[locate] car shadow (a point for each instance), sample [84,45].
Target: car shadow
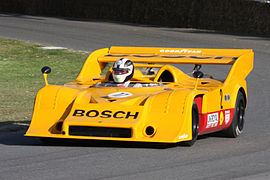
[220,134]
[18,139]
[13,126]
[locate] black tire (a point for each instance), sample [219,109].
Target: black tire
[195,125]
[237,125]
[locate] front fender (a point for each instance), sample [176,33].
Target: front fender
[171,115]
[51,104]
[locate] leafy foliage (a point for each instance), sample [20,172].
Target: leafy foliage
[234,16]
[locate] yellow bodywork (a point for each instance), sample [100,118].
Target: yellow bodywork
[166,108]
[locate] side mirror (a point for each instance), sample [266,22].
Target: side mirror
[198,74]
[45,71]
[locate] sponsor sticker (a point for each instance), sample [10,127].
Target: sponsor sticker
[212,120]
[227,116]
[227,97]
[120,95]
[221,118]
[105,114]
[183,136]
[180,51]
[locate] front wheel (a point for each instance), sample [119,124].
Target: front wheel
[195,125]
[237,125]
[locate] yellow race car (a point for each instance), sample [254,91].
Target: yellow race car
[160,104]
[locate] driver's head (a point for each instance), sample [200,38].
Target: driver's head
[123,70]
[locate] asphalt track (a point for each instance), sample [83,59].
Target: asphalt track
[212,157]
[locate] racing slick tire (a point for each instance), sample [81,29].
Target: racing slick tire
[195,125]
[237,125]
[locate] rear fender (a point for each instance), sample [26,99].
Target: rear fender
[231,92]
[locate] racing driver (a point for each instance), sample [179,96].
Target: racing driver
[123,70]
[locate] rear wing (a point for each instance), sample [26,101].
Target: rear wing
[240,59]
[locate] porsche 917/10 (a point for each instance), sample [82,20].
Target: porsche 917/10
[160,103]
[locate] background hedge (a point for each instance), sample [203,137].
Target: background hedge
[234,16]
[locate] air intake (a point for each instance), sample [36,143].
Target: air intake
[99,131]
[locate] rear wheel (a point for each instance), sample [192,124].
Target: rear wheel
[195,125]
[237,125]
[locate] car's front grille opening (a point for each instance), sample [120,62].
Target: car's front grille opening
[100,131]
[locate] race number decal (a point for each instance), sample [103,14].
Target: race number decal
[120,95]
[212,120]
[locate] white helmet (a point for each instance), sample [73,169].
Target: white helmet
[123,70]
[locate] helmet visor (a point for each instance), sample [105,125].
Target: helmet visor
[118,71]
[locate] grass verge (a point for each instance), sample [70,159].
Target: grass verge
[21,78]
